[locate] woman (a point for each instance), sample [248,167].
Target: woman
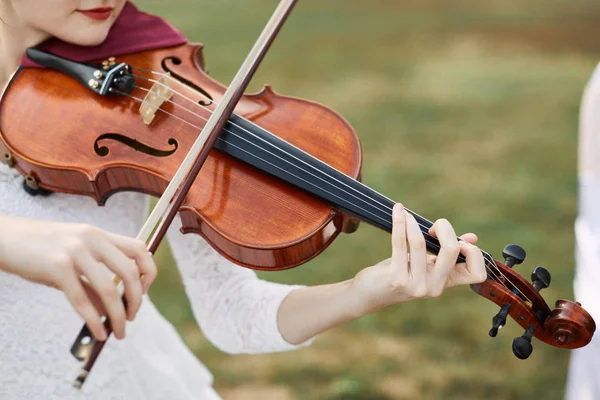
[66,242]
[584,373]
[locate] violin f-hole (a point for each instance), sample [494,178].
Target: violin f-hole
[103,151]
[186,82]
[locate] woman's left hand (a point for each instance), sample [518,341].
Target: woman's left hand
[410,273]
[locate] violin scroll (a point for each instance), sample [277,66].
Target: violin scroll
[570,325]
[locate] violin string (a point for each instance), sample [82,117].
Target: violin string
[487,256]
[250,133]
[279,157]
[241,149]
[386,207]
[274,155]
[489,260]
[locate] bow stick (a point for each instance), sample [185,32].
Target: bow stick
[85,347]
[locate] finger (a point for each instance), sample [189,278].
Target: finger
[475,264]
[449,248]
[127,270]
[470,237]
[106,290]
[399,249]
[94,299]
[76,294]
[136,249]
[418,251]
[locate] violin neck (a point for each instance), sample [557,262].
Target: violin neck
[256,146]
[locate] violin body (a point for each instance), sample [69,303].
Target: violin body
[96,146]
[64,137]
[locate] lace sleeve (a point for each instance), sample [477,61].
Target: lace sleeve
[235,309]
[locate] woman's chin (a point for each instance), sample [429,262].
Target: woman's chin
[81,33]
[89,40]
[92,42]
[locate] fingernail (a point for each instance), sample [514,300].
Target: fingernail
[103,336]
[398,208]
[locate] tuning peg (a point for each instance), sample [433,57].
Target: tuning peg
[521,346]
[499,319]
[513,254]
[540,278]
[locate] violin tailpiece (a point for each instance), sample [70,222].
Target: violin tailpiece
[116,77]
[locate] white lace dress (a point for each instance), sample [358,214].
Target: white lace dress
[235,310]
[584,372]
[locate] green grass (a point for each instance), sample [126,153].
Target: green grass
[466,110]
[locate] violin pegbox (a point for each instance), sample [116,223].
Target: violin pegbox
[117,79]
[158,94]
[568,326]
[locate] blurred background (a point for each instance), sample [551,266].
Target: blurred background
[466,110]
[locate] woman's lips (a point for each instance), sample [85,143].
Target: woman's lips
[99,14]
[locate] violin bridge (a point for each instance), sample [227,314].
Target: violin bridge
[158,94]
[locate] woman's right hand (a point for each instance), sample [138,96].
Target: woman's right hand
[72,258]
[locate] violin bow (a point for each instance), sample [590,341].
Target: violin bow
[86,348]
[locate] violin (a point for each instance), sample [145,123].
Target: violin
[280,183]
